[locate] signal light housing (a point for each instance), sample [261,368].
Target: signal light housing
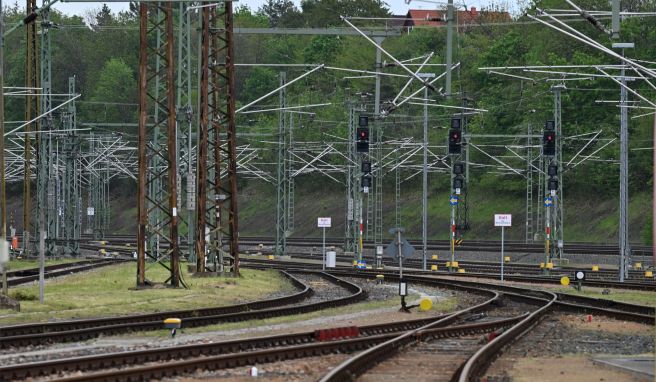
[458,183]
[366,181]
[455,139]
[366,167]
[552,170]
[552,184]
[549,143]
[458,168]
[362,139]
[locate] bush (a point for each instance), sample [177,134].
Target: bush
[23,295]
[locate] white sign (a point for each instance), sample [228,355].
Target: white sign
[323,222]
[502,220]
[90,211]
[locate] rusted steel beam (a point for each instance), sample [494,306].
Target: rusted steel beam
[201,176]
[142,216]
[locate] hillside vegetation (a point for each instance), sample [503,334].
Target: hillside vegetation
[101,51]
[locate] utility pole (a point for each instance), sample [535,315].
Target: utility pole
[185,121]
[281,189]
[449,45]
[424,198]
[31,110]
[70,189]
[528,238]
[623,229]
[3,192]
[424,194]
[45,172]
[157,140]
[558,210]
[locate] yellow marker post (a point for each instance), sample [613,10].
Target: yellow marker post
[173,324]
[595,268]
[434,257]
[541,265]
[564,281]
[461,270]
[270,257]
[425,304]
[649,274]
[433,267]
[454,264]
[638,265]
[506,259]
[550,265]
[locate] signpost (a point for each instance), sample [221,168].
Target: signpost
[324,223]
[400,248]
[502,220]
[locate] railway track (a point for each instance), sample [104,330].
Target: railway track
[473,365]
[24,276]
[163,354]
[78,330]
[487,267]
[392,337]
[285,264]
[513,272]
[469,245]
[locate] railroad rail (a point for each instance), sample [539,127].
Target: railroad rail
[555,280]
[77,330]
[179,360]
[469,245]
[130,358]
[24,276]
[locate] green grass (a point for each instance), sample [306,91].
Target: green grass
[27,264]
[110,291]
[620,295]
[446,305]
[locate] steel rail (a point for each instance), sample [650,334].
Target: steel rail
[84,329]
[169,369]
[128,358]
[484,357]
[647,286]
[60,270]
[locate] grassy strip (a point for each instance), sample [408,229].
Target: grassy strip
[109,291]
[620,295]
[15,265]
[445,305]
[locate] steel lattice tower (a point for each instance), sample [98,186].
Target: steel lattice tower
[157,183]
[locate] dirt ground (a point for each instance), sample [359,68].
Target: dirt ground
[568,368]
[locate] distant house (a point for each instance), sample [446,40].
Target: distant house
[426,18]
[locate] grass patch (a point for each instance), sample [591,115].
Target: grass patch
[15,265]
[446,305]
[620,295]
[109,291]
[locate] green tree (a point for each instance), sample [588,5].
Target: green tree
[322,49]
[117,91]
[324,13]
[281,13]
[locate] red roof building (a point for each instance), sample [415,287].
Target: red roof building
[426,18]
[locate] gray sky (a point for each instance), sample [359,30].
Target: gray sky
[398,7]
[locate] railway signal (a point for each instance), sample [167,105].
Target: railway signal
[362,135]
[455,140]
[549,139]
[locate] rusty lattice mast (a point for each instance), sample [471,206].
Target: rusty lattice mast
[217,167]
[157,231]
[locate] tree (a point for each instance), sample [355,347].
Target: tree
[116,89]
[322,49]
[281,13]
[324,13]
